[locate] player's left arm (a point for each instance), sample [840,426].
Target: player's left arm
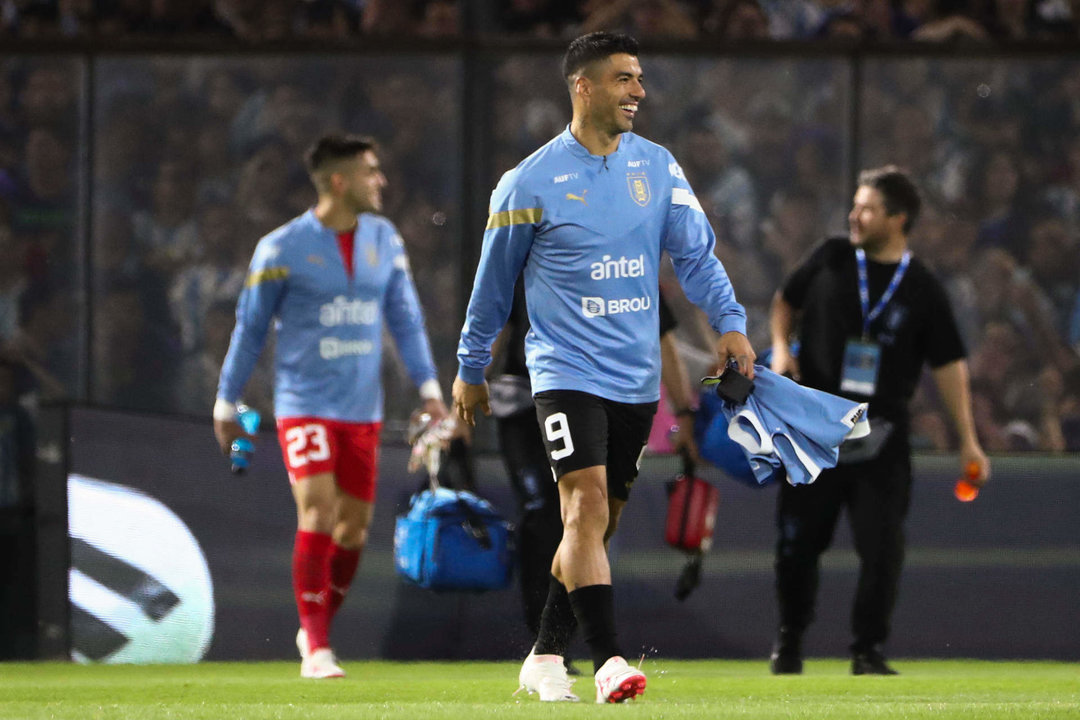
[689,240]
[405,321]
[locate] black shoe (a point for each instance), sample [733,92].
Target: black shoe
[786,659]
[870,662]
[571,669]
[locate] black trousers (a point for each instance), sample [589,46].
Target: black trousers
[540,527]
[876,494]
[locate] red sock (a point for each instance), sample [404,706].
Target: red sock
[311,576]
[343,564]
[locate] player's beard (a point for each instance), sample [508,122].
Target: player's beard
[363,202]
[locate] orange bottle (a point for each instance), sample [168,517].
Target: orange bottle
[966,490]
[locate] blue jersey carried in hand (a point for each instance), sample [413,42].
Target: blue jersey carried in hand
[329,325]
[782,430]
[588,232]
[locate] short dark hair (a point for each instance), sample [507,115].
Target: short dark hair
[332,147]
[596,46]
[898,191]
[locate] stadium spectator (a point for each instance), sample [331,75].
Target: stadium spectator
[792,19]
[330,20]
[262,186]
[725,186]
[1053,269]
[180,18]
[644,18]
[439,19]
[41,194]
[135,357]
[1060,420]
[945,245]
[329,279]
[736,20]
[1011,20]
[900,319]
[789,232]
[218,274]
[769,159]
[115,256]
[539,18]
[999,197]
[843,26]
[946,21]
[166,232]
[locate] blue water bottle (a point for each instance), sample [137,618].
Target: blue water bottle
[242,448]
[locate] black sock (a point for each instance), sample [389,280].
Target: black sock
[594,608]
[557,622]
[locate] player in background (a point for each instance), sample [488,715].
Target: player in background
[586,218]
[328,280]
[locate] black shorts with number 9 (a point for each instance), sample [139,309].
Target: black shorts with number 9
[582,430]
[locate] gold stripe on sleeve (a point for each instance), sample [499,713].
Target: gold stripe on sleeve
[271,273]
[514,217]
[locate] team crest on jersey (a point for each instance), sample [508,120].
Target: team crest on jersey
[372,256]
[639,188]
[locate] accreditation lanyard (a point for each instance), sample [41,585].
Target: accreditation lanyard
[868,314]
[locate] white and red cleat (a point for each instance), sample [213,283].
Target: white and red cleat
[546,675]
[321,664]
[617,682]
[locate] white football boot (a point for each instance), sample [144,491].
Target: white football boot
[321,664]
[616,681]
[546,675]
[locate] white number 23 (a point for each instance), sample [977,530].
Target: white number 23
[306,443]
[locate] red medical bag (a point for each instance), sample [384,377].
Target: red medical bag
[691,514]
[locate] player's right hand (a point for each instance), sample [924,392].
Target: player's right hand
[466,397]
[226,431]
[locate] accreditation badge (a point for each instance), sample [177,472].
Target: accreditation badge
[862,359]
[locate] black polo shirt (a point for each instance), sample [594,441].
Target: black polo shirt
[916,326]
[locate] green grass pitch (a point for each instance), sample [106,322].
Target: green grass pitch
[698,689]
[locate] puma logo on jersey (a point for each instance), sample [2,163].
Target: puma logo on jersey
[581,197]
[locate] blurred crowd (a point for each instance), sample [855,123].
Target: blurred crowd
[255,21]
[184,161]
[876,21]
[225,21]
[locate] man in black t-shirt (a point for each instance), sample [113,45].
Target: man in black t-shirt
[869,316]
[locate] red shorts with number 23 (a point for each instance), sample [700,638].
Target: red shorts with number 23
[350,450]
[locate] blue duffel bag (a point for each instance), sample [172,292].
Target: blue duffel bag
[453,540]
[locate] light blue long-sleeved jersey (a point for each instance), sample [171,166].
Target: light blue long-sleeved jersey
[329,326]
[588,232]
[782,430]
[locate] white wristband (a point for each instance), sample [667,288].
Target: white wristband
[430,390]
[224,410]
